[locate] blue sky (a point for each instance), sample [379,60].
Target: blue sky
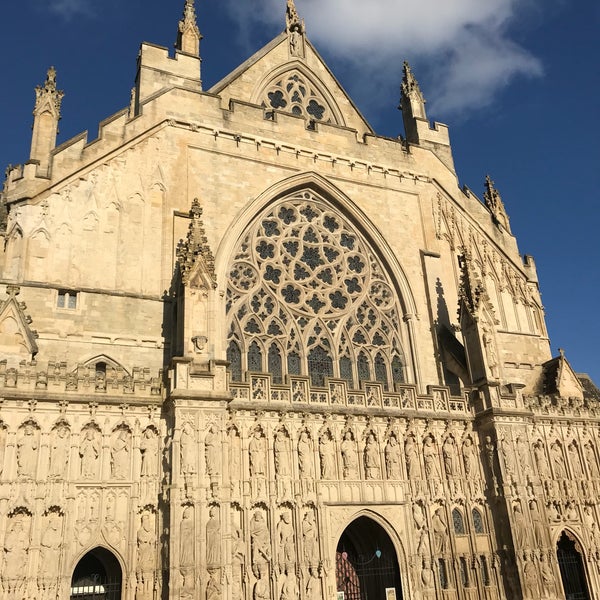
[517,81]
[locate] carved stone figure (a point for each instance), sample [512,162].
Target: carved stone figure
[286,554]
[235,464]
[313,587]
[508,457]
[257,454]
[50,546]
[547,576]
[590,459]
[327,456]
[393,458]
[59,453]
[262,589]
[89,451]
[523,454]
[16,549]
[149,452]
[213,538]
[450,456]
[187,538]
[281,455]
[530,580]
[310,541]
[372,459]
[439,532]
[187,450]
[27,448]
[306,464]
[289,587]
[575,461]
[520,528]
[212,453]
[430,458]
[260,544]
[146,556]
[119,455]
[213,587]
[413,469]
[540,460]
[349,456]
[2,446]
[558,461]
[238,552]
[537,525]
[469,458]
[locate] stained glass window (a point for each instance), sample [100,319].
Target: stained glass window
[346,369]
[363,367]
[320,366]
[293,362]
[234,356]
[478,521]
[458,522]
[381,370]
[254,358]
[275,363]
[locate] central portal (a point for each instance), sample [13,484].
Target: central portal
[366,563]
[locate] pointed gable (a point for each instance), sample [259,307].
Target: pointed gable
[16,337]
[288,75]
[561,379]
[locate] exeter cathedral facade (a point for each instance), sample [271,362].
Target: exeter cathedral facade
[251,350]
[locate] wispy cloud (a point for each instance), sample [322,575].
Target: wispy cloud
[463,46]
[68,9]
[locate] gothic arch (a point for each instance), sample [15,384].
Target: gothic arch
[572,561]
[100,557]
[310,187]
[318,90]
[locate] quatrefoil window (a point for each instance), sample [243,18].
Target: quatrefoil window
[294,94]
[306,286]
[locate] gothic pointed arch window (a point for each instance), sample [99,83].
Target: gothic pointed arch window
[234,356]
[308,295]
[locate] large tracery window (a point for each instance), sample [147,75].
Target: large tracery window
[307,292]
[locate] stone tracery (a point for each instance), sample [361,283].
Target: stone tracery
[307,294]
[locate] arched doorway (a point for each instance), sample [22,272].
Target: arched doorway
[572,572]
[366,563]
[97,576]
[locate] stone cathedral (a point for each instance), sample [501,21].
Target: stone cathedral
[251,350]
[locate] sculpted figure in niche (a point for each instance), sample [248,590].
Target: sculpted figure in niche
[430,458]
[146,556]
[469,458]
[213,538]
[313,587]
[16,548]
[558,461]
[213,587]
[306,464]
[575,461]
[439,531]
[590,459]
[257,453]
[260,545]
[237,565]
[149,452]
[286,555]
[289,588]
[89,451]
[413,469]
[327,455]
[450,456]
[349,456]
[212,452]
[372,460]
[262,589]
[281,455]
[2,446]
[537,525]
[186,540]
[310,542]
[523,453]
[59,452]
[187,450]
[531,580]
[393,458]
[547,576]
[119,455]
[27,448]
[520,527]
[540,460]
[50,546]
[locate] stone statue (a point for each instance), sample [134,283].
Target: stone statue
[508,457]
[27,448]
[313,587]
[15,553]
[575,461]
[289,588]
[469,458]
[413,469]
[520,528]
[59,453]
[306,464]
[238,552]
[310,541]
[286,553]
[450,457]
[213,586]
[257,454]
[235,465]
[262,589]
[50,546]
[530,580]
[2,446]
[547,576]
[349,456]
[89,451]
[149,452]
[430,458]
[558,461]
[187,538]
[327,456]
[372,459]
[590,459]
[119,455]
[393,458]
[213,538]
[540,460]
[212,453]
[439,532]
[187,450]
[537,525]
[523,454]
[146,557]
[283,467]
[260,544]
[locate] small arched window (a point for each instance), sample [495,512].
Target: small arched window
[320,366]
[458,522]
[364,373]
[478,521]
[397,371]
[254,358]
[346,369]
[381,370]
[275,363]
[234,356]
[293,363]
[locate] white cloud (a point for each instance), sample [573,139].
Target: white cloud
[70,8]
[462,46]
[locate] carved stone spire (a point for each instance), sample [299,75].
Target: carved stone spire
[411,97]
[194,253]
[494,202]
[294,27]
[188,35]
[46,115]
